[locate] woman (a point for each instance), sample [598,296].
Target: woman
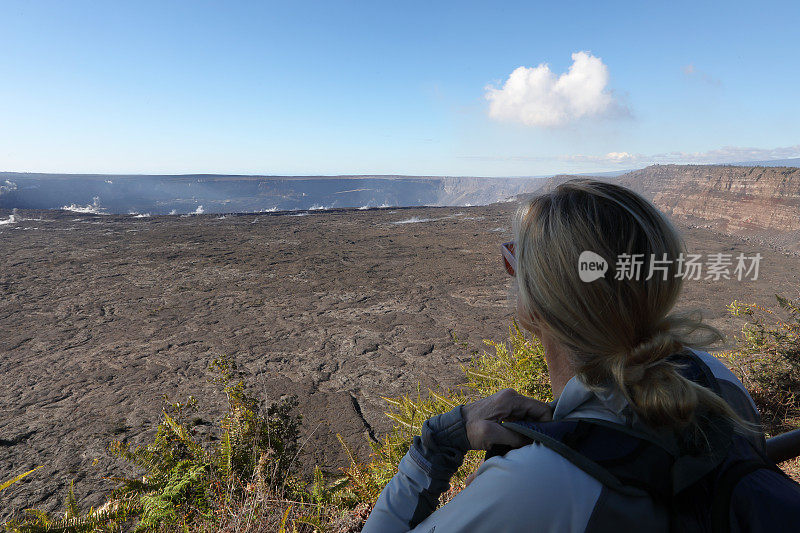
[609,346]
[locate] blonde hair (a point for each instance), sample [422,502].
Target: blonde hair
[619,331]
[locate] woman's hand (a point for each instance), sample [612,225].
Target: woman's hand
[482,418]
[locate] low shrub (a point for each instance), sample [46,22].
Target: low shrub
[190,485]
[767,360]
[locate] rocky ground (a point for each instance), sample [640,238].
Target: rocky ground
[101,316]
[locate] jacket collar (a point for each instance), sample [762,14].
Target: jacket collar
[578,401]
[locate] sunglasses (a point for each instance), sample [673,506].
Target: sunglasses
[509,261]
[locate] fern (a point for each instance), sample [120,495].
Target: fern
[186,485]
[103,520]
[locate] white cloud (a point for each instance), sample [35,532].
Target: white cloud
[619,157]
[538,97]
[726,154]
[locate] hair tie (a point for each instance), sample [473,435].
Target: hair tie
[634,374]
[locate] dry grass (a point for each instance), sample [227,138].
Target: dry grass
[792,468]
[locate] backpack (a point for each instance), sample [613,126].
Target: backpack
[735,487]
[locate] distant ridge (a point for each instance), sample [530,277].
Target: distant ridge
[759,202]
[792,162]
[213,193]
[754,202]
[61,175]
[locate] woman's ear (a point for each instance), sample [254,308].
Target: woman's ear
[529,321]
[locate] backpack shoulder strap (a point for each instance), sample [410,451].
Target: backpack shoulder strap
[721,503]
[745,459]
[620,458]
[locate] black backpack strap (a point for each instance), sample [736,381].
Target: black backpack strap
[721,504]
[620,458]
[750,459]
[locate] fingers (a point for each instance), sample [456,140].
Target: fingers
[530,409]
[516,405]
[481,418]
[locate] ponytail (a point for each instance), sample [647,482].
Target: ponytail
[618,332]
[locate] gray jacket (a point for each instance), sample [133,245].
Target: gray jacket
[529,489]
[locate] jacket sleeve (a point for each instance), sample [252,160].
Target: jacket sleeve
[529,489]
[423,475]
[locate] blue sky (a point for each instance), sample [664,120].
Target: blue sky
[394,87]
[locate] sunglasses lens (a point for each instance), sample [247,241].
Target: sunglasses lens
[509,261]
[508,266]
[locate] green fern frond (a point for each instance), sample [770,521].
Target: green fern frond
[226,454]
[179,430]
[71,504]
[39,521]
[139,456]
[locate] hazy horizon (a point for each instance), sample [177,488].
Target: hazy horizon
[790,162]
